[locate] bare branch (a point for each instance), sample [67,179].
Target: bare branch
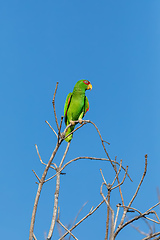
[130,221]
[58,221]
[34,237]
[88,121]
[54,165]
[38,154]
[108,212]
[119,184]
[153,206]
[78,215]
[89,214]
[59,131]
[73,130]
[106,142]
[66,229]
[112,212]
[125,210]
[120,191]
[36,175]
[67,148]
[152,235]
[51,177]
[138,230]
[53,102]
[41,158]
[141,215]
[117,173]
[56,195]
[61,123]
[93,158]
[108,202]
[40,185]
[52,128]
[115,222]
[103,178]
[144,173]
[146,213]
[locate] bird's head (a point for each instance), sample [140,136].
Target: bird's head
[83,85]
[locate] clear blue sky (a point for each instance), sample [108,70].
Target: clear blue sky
[116,46]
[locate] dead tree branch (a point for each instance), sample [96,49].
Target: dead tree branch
[117,167]
[56,195]
[52,128]
[125,210]
[40,185]
[58,221]
[85,217]
[54,108]
[152,235]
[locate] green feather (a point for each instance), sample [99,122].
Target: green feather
[76,105]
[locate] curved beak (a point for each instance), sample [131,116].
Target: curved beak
[89,87]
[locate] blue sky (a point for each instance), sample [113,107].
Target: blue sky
[116,46]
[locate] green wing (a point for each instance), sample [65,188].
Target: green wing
[67,102]
[86,105]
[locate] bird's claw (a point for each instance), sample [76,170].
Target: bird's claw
[72,123]
[80,120]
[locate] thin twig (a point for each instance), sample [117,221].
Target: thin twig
[52,128]
[41,158]
[67,148]
[121,225]
[136,210]
[153,206]
[59,131]
[117,173]
[54,165]
[66,229]
[152,235]
[61,123]
[119,184]
[89,214]
[104,180]
[88,121]
[144,173]
[130,221]
[138,230]
[51,177]
[36,175]
[73,130]
[106,142]
[53,102]
[120,191]
[94,158]
[78,215]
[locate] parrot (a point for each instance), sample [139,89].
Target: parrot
[76,105]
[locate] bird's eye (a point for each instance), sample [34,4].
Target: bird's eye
[86,82]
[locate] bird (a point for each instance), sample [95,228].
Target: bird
[76,106]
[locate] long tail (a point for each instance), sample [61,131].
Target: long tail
[69,138]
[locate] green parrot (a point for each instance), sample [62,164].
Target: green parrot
[76,105]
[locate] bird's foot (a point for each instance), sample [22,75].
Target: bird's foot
[80,120]
[72,123]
